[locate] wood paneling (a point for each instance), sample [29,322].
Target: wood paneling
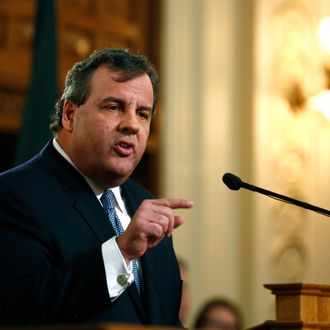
[83,26]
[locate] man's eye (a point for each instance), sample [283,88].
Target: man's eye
[144,114]
[112,107]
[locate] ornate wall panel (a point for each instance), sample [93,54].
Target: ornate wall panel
[83,26]
[292,145]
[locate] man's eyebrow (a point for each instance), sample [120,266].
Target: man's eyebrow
[122,102]
[145,107]
[112,99]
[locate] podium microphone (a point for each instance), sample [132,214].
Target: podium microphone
[233,182]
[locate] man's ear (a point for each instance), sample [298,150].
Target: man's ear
[69,111]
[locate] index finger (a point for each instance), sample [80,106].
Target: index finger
[174,203]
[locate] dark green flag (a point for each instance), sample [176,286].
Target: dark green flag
[43,86]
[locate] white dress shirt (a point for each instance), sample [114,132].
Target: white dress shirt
[118,274]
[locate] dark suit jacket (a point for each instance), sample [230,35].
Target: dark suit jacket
[51,230]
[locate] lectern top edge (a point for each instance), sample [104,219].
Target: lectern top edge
[298,288]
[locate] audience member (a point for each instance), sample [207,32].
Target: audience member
[219,313]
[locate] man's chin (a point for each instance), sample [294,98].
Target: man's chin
[117,178]
[116,171]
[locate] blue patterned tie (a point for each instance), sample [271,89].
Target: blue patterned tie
[108,202]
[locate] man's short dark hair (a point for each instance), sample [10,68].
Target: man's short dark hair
[77,81]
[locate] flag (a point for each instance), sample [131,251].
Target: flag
[43,85]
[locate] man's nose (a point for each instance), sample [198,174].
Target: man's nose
[129,122]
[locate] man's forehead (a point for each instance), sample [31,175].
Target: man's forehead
[104,81]
[120,76]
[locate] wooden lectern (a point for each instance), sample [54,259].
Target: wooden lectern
[299,306]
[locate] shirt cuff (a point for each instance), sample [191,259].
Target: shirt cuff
[119,276]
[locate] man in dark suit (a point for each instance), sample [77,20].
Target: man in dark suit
[79,240]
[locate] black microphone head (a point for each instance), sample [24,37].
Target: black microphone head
[232,181]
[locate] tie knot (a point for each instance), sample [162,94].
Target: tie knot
[108,200]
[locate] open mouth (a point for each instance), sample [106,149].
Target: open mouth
[124,148]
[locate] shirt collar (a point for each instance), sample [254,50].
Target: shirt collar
[98,191]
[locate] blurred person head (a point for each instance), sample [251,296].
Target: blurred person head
[219,314]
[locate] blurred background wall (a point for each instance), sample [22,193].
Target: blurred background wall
[244,89]
[241,79]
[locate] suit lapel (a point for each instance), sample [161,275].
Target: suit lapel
[150,289]
[80,193]
[91,210]
[132,202]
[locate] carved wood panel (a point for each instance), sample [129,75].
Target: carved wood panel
[82,26]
